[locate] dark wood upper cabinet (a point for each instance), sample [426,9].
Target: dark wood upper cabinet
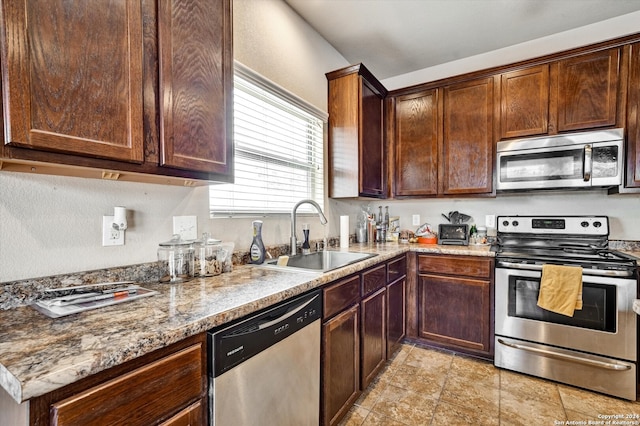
[73,77]
[467,148]
[131,90]
[524,102]
[578,93]
[196,79]
[357,151]
[443,140]
[416,144]
[586,88]
[632,179]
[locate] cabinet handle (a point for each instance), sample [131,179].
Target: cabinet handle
[533,267]
[567,357]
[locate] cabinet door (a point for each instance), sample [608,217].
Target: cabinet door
[633,135]
[343,136]
[455,311]
[524,102]
[587,89]
[396,309]
[374,337]
[73,77]
[341,365]
[372,149]
[466,160]
[416,144]
[196,78]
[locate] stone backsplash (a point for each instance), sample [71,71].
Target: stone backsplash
[24,292]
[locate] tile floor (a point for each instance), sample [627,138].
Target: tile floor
[421,386]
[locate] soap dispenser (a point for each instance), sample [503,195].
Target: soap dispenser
[256,251]
[306,248]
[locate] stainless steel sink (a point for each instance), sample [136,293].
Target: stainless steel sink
[322,261]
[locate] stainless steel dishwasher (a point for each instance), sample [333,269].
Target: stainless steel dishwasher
[265,369]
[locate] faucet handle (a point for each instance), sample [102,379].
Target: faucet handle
[321,245]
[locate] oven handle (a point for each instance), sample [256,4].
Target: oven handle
[587,163]
[532,267]
[566,357]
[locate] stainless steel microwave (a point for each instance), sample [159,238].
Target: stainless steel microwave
[575,160]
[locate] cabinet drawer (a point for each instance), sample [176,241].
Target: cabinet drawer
[140,397]
[396,268]
[374,279]
[456,265]
[340,296]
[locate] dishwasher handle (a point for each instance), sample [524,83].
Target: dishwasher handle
[291,312]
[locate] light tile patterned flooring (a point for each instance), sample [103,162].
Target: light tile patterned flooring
[421,386]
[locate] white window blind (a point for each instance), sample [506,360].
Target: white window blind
[278,152]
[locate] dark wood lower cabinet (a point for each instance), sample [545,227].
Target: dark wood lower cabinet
[396,314]
[374,339]
[455,311]
[340,364]
[363,323]
[450,303]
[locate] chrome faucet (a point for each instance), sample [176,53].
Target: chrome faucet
[294,240]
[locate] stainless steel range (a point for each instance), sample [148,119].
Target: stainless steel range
[596,347]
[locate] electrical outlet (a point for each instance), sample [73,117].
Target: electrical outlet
[490,221]
[186,226]
[415,220]
[110,235]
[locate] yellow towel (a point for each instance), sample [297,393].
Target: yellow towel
[561,289]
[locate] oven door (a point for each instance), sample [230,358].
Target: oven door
[606,325]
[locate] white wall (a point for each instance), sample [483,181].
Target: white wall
[623,210]
[52,225]
[589,34]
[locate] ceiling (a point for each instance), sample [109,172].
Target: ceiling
[395,37]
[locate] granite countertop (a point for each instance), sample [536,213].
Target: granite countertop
[39,354]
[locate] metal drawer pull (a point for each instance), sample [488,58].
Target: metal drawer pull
[532,267]
[543,352]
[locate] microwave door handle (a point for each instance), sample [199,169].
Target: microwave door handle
[588,151]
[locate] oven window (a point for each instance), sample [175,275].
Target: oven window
[554,165]
[598,305]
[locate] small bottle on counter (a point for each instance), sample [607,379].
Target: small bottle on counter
[306,248]
[257,251]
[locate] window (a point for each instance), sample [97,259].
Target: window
[278,151]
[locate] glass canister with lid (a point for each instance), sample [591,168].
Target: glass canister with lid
[208,259]
[176,260]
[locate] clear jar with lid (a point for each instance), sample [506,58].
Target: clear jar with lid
[208,261]
[481,236]
[175,260]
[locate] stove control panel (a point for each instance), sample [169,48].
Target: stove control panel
[574,225]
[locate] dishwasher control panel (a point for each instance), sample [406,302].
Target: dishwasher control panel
[232,345]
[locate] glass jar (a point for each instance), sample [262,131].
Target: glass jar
[481,236]
[175,260]
[208,261]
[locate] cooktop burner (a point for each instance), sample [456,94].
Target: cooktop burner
[573,240]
